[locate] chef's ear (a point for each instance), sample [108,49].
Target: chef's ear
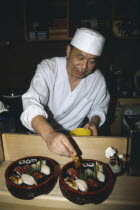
[68,50]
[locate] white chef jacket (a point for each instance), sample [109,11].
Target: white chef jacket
[50,95]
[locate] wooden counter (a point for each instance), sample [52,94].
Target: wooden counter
[125,193]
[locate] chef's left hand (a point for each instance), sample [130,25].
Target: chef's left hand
[92,127]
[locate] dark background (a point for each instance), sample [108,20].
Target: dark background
[18,61]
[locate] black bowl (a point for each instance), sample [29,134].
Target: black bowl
[97,195]
[44,186]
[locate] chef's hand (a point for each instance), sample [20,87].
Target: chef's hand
[59,144]
[56,142]
[93,125]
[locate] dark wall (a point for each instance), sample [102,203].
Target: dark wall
[18,60]
[18,63]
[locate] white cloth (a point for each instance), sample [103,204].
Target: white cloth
[50,88]
[89,41]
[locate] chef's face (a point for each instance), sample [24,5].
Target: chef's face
[79,63]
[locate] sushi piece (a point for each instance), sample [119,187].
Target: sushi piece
[88,165]
[77,162]
[82,185]
[91,165]
[33,160]
[27,179]
[100,176]
[19,170]
[16,179]
[73,173]
[45,169]
[21,161]
[28,161]
[27,167]
[38,175]
[85,164]
[92,182]
[69,181]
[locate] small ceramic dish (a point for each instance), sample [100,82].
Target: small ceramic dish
[31,176]
[80,132]
[98,188]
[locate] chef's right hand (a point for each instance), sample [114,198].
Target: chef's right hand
[59,144]
[56,142]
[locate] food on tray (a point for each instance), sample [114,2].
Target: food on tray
[38,175]
[30,172]
[90,177]
[82,185]
[20,170]
[16,179]
[28,179]
[73,173]
[45,169]
[92,182]
[100,176]
[93,185]
[77,163]
[27,167]
[69,181]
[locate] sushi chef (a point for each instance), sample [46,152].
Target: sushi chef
[66,90]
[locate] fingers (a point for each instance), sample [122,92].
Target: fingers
[69,147]
[60,145]
[86,126]
[59,148]
[93,128]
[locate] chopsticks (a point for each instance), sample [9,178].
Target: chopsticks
[77,162]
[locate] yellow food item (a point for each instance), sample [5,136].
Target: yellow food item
[81,132]
[77,163]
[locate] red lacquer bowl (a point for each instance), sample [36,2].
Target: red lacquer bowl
[96,196]
[45,185]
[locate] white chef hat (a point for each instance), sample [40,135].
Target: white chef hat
[89,41]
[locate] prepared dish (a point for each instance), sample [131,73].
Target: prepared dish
[31,176]
[92,183]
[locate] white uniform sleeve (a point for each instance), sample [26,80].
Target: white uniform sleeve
[101,103]
[35,98]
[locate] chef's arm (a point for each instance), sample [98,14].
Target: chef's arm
[95,120]
[93,125]
[56,142]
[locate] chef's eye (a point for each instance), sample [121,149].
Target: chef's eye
[80,58]
[92,61]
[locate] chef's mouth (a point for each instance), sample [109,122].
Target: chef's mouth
[79,72]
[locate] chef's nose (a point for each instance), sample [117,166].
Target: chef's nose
[85,64]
